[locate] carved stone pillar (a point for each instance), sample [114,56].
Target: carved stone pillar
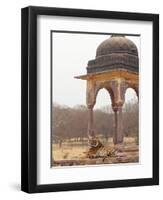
[118,134]
[90,132]
[115,128]
[119,88]
[91,99]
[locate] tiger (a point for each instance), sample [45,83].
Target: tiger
[98,150]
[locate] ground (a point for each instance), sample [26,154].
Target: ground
[74,152]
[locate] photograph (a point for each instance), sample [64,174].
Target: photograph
[90,99]
[94,98]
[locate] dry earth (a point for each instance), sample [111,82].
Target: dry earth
[74,153]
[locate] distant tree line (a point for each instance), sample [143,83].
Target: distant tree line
[71,122]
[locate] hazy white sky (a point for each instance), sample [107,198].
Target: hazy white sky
[71,53]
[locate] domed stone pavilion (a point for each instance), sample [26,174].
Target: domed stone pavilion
[115,68]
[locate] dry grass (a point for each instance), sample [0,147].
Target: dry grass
[74,151]
[68,151]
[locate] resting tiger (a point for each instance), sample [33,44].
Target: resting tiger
[97,150]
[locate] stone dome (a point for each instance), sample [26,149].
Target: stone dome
[116,52]
[116,44]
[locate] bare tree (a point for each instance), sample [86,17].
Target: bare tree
[72,122]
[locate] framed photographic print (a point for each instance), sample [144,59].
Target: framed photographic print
[90,99]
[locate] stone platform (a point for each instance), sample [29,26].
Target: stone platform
[129,155]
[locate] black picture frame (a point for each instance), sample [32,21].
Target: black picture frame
[29,99]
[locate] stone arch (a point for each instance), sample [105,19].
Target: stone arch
[133,89]
[104,126]
[93,89]
[130,110]
[136,88]
[109,91]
